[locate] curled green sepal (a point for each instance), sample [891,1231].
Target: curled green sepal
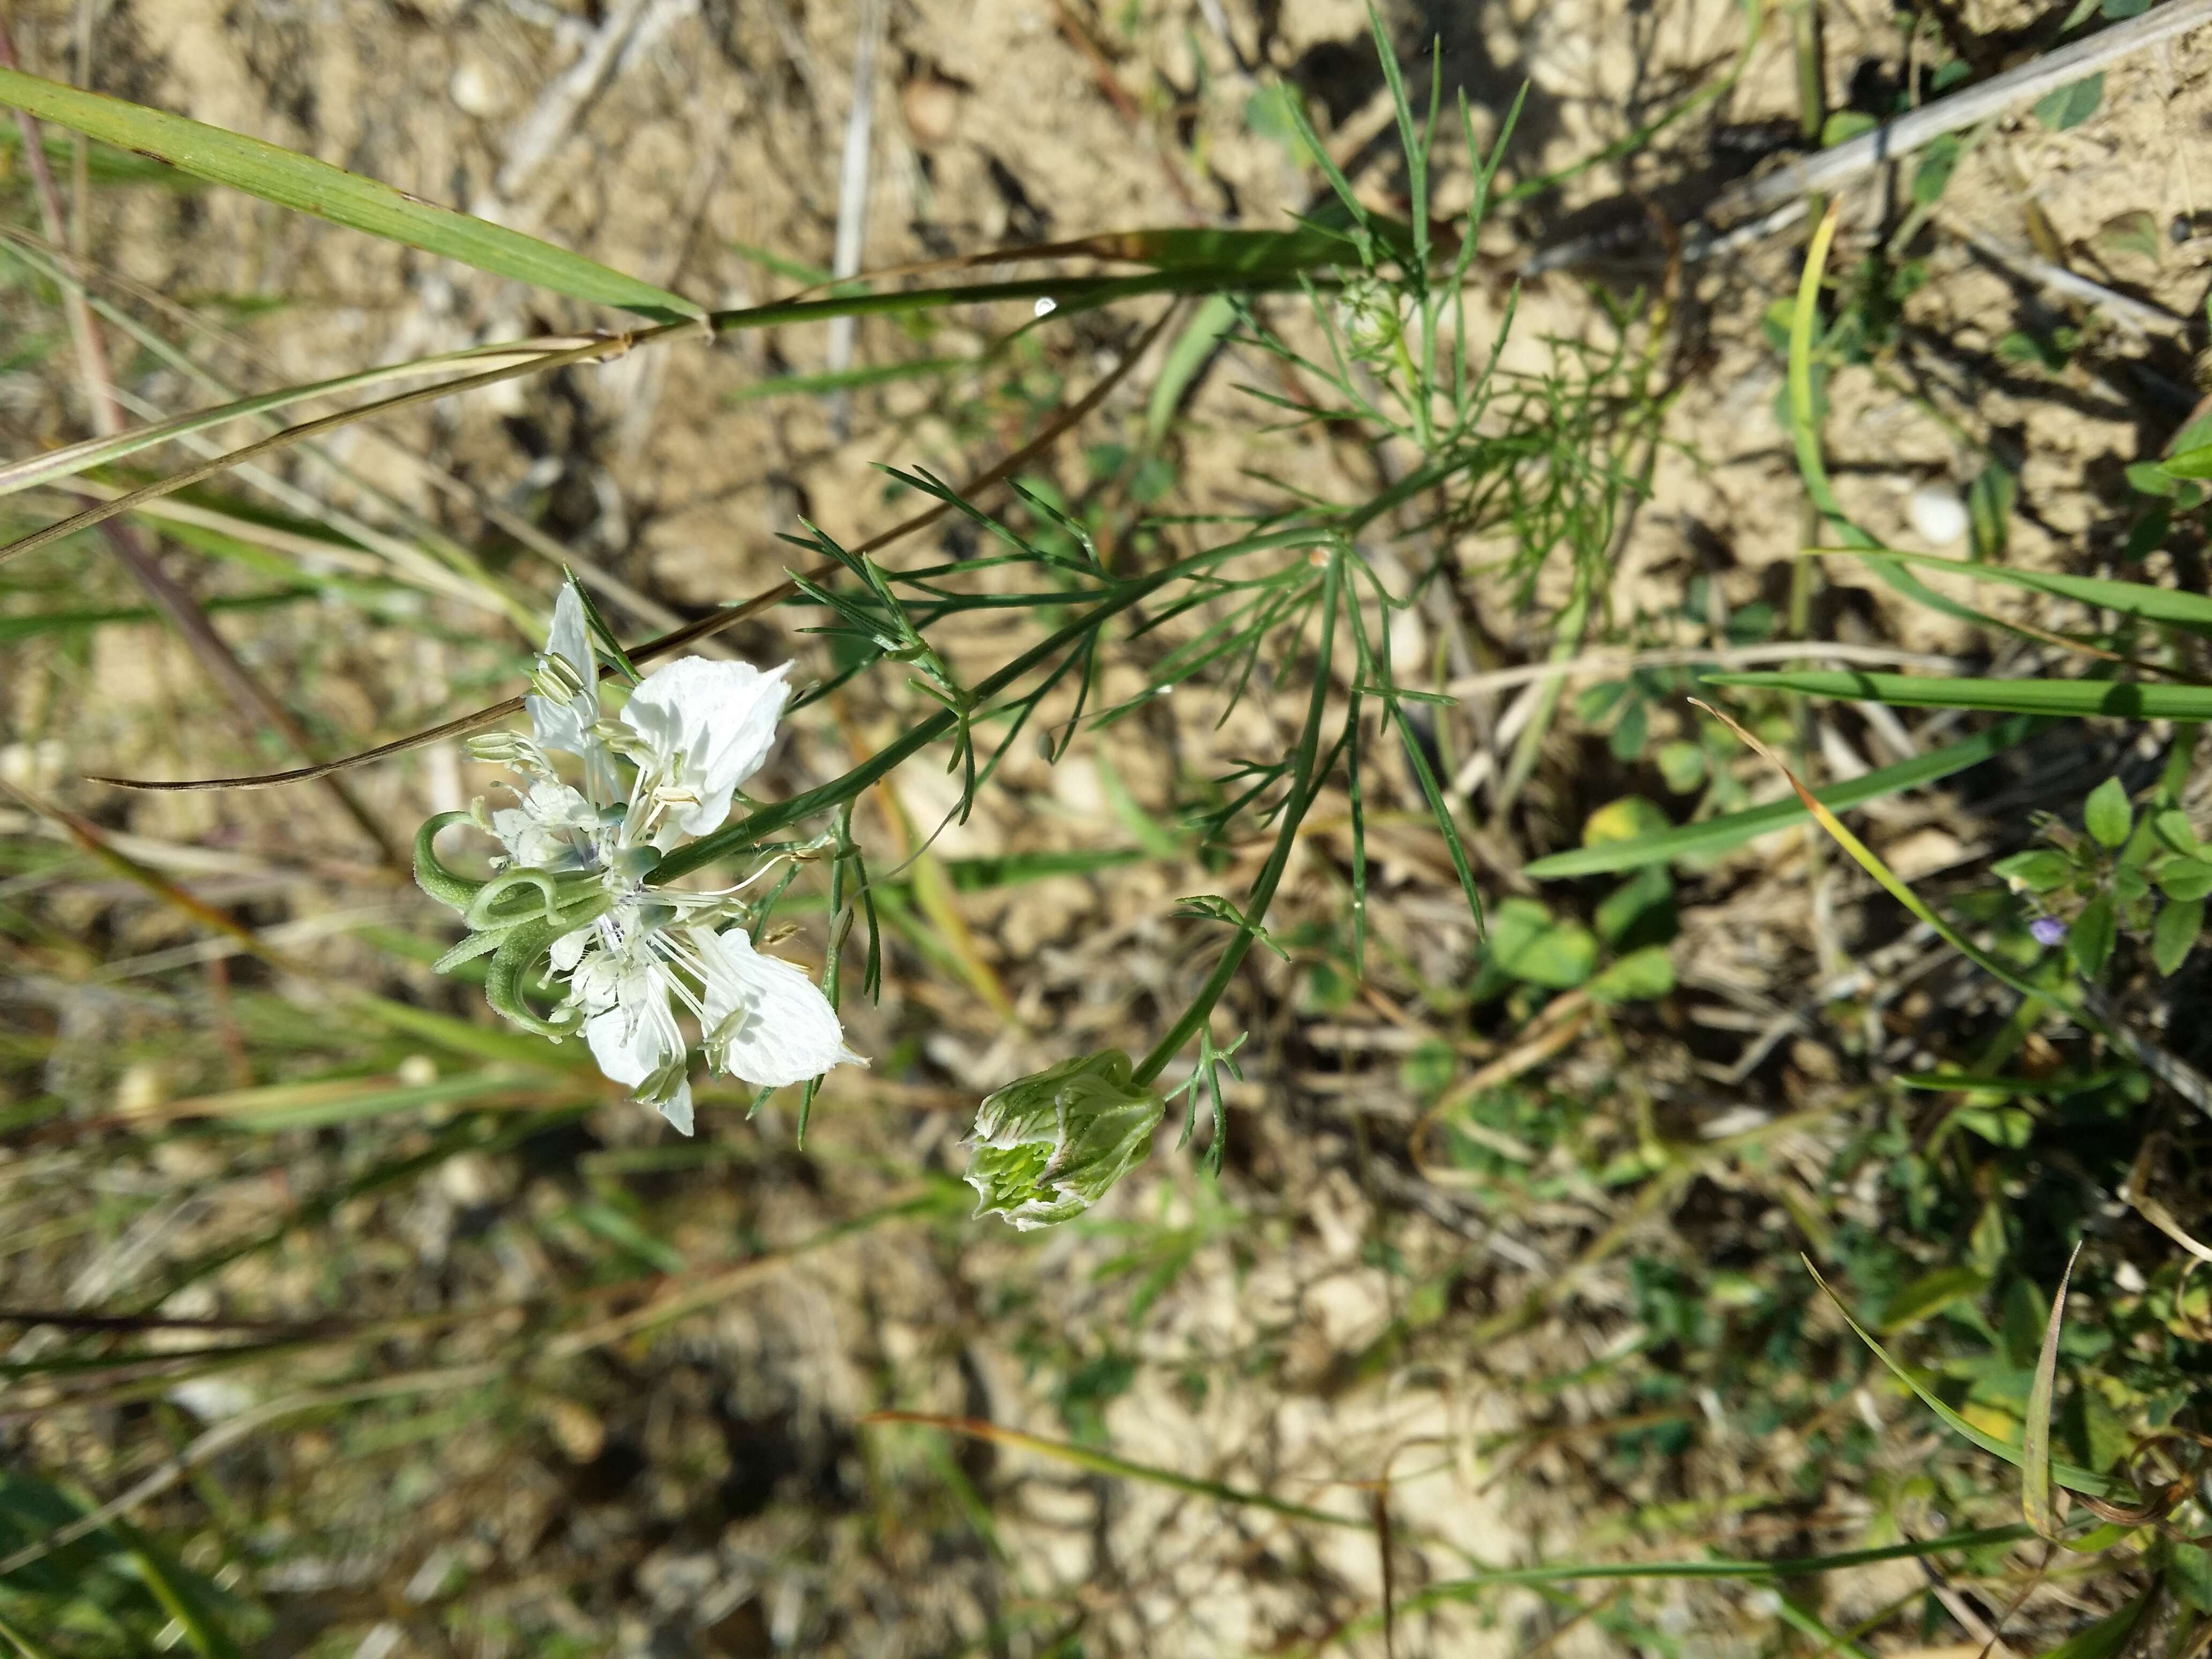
[455,892]
[472,946]
[1049,1146]
[519,949]
[583,907]
[484,910]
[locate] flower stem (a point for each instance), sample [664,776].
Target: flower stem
[749,830]
[1303,791]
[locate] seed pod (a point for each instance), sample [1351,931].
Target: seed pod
[1049,1146]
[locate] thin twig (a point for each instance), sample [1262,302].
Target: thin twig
[221,664]
[1618,662]
[1829,170]
[1758,207]
[2137,316]
[726,617]
[853,176]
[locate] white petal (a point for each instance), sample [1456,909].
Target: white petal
[539,831]
[567,726]
[627,1051]
[711,725]
[637,1035]
[676,1108]
[568,949]
[767,1024]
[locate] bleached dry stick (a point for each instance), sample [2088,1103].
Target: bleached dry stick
[1827,171]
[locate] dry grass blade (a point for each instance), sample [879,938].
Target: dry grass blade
[75,458]
[2035,1448]
[682,1299]
[221,663]
[597,351]
[727,617]
[1098,1462]
[88,838]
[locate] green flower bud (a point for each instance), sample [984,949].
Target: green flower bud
[1368,312]
[1048,1147]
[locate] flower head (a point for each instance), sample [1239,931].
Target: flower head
[574,897]
[695,731]
[2047,930]
[1049,1146]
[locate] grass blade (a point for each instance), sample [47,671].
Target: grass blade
[1098,1462]
[1468,1588]
[312,1105]
[31,623]
[300,182]
[1869,860]
[96,452]
[2138,600]
[846,379]
[2108,1638]
[23,1644]
[593,350]
[2123,700]
[984,874]
[179,1598]
[2035,1473]
[1215,316]
[2085,1481]
[1719,835]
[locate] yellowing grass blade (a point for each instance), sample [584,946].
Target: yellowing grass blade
[1805,428]
[1870,861]
[2035,1472]
[95,451]
[300,182]
[2085,1481]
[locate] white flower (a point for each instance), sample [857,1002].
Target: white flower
[566,723]
[764,1020]
[627,994]
[701,728]
[552,827]
[690,734]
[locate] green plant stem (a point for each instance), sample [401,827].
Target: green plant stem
[1067,293]
[1262,894]
[754,826]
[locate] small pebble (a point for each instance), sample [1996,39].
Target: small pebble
[1939,517]
[932,108]
[472,91]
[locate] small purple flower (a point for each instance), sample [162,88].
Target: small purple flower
[2048,929]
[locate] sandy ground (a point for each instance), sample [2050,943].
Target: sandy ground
[700,1493]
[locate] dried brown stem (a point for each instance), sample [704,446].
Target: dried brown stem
[216,657]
